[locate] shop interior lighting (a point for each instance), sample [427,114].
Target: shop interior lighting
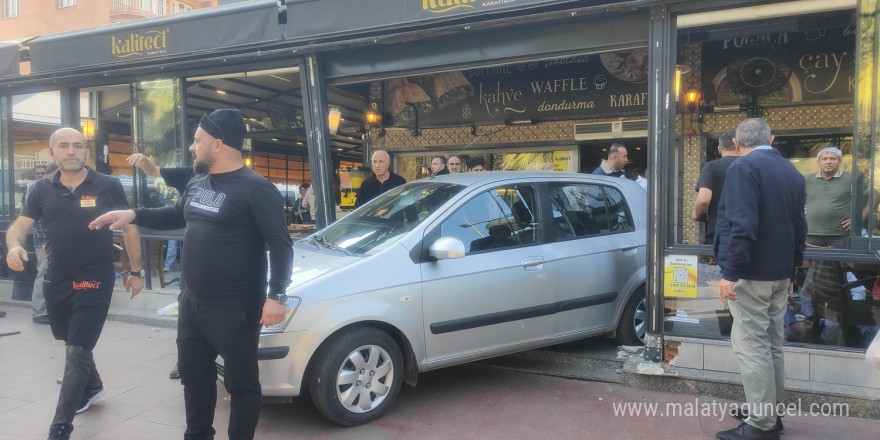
[334,116]
[680,69]
[88,128]
[521,121]
[762,12]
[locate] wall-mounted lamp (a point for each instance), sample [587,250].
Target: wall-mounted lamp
[416,131]
[691,98]
[372,117]
[334,115]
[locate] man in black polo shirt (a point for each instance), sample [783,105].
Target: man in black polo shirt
[380,181]
[79,281]
[232,215]
[711,184]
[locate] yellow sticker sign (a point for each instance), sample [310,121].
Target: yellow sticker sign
[680,276]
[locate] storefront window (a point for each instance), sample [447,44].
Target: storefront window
[157,134]
[805,76]
[34,118]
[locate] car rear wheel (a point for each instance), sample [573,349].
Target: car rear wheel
[356,376]
[631,328]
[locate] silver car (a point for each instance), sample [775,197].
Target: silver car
[454,269]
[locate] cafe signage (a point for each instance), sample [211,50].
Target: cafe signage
[781,68]
[607,84]
[150,42]
[169,36]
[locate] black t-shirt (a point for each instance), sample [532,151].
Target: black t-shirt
[74,250]
[230,218]
[712,178]
[177,177]
[372,187]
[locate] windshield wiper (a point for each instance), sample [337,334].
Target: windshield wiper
[320,240]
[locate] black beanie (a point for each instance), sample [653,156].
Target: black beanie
[227,125]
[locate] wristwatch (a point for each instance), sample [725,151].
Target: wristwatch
[137,273]
[281,299]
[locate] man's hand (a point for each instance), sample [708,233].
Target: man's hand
[140,161]
[116,220]
[725,291]
[16,257]
[273,313]
[134,285]
[846,224]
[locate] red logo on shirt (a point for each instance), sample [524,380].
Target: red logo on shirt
[84,285]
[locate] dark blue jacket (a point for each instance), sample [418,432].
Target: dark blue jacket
[761,226]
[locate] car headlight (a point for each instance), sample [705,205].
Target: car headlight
[292,305]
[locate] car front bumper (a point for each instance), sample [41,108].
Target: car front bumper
[283,359]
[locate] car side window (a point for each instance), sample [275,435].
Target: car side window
[581,210]
[499,218]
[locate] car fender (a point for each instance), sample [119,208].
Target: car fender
[637,279]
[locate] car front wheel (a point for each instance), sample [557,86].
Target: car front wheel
[631,328]
[356,376]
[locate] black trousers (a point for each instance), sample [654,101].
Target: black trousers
[78,308]
[203,332]
[77,311]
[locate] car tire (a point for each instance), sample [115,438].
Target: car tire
[633,321]
[356,376]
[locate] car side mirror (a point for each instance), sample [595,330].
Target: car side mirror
[446,247]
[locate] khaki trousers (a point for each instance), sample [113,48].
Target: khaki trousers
[757,338]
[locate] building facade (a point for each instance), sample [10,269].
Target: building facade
[530,84]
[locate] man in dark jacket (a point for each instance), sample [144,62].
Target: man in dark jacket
[759,240]
[382,179]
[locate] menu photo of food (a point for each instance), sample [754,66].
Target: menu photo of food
[629,66]
[425,93]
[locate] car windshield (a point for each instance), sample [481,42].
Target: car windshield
[385,219]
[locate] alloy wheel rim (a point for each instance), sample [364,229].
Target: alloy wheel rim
[364,379]
[639,320]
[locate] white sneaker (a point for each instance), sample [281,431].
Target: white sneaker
[91,397]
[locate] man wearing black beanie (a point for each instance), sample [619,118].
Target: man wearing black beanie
[231,216]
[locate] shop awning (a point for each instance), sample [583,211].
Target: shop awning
[9,59]
[328,18]
[200,31]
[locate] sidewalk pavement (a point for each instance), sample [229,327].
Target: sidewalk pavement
[472,401]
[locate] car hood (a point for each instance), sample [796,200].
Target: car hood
[310,263]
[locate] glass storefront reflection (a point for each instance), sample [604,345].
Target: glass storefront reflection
[833,303]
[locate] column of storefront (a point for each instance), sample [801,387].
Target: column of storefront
[661,38]
[318,140]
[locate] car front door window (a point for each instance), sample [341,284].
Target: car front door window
[499,218]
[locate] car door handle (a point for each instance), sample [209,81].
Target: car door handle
[629,247]
[532,263]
